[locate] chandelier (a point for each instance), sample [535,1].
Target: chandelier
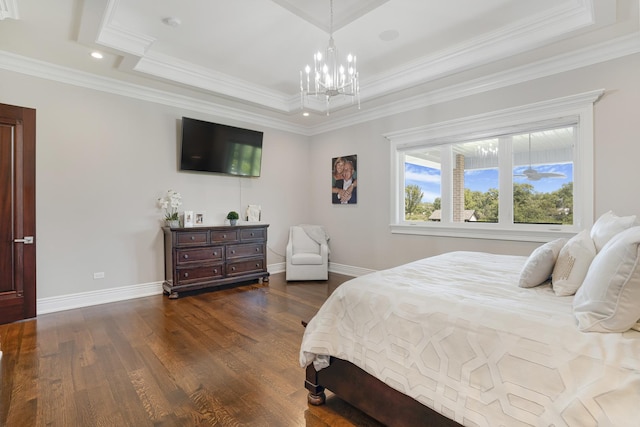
[329,78]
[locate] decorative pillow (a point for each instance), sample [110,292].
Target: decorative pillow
[609,299]
[572,264]
[607,226]
[538,267]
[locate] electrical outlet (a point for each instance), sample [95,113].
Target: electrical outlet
[99,275]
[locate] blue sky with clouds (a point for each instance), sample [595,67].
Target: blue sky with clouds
[428,179]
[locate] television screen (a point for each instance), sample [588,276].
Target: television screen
[212,147]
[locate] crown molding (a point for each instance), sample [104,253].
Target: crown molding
[124,40]
[514,39]
[606,51]
[112,35]
[48,71]
[9,9]
[521,36]
[168,67]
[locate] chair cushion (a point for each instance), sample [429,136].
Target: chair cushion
[306,259]
[303,243]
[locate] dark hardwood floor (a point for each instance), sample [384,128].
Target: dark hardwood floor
[223,358]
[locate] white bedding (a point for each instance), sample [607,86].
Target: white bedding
[456,333]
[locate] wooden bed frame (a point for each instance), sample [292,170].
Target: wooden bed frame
[370,395]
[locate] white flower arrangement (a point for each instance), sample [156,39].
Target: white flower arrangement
[170,204]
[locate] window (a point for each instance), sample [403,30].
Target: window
[518,174]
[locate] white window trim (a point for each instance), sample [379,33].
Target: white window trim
[489,124]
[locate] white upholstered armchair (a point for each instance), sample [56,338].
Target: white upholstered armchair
[307,253]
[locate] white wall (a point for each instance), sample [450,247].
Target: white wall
[103,159]
[360,233]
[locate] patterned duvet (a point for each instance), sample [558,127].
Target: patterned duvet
[456,333]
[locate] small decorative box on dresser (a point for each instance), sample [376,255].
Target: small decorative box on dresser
[209,257]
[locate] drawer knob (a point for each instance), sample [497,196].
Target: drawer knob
[257,264]
[215,254]
[224,236]
[233,269]
[257,249]
[215,271]
[193,237]
[233,252]
[186,256]
[253,234]
[186,274]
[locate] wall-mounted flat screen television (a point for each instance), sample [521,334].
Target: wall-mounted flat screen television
[212,147]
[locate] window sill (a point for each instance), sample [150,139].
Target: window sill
[486,231]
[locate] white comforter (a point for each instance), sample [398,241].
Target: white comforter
[456,333]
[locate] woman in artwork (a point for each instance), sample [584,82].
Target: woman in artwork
[338,167]
[344,186]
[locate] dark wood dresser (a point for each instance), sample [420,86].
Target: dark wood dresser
[209,257]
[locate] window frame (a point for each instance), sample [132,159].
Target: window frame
[577,107]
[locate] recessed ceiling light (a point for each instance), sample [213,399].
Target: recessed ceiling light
[389,35]
[172,21]
[306,114]
[97,55]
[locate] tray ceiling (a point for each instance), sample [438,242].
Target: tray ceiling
[249,53]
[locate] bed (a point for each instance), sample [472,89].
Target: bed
[453,340]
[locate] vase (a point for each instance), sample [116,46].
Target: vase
[233,221]
[173,223]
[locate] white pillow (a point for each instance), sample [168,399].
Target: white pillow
[572,264]
[538,267]
[609,299]
[607,226]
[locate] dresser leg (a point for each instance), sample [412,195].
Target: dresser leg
[173,295]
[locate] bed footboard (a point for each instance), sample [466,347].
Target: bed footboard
[370,395]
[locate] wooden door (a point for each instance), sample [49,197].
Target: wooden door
[17,213]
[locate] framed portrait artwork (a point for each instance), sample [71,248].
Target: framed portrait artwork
[344,180]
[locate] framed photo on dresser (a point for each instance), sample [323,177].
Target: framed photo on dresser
[199,218]
[188,219]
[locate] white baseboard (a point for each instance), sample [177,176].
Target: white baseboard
[333,268]
[280,267]
[103,296]
[348,270]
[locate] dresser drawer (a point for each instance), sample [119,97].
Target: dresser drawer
[248,234]
[190,238]
[224,236]
[245,267]
[244,250]
[212,253]
[196,274]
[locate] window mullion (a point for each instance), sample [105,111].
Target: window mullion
[505,177]
[446,184]
[397,176]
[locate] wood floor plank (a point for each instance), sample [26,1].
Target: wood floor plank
[222,358]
